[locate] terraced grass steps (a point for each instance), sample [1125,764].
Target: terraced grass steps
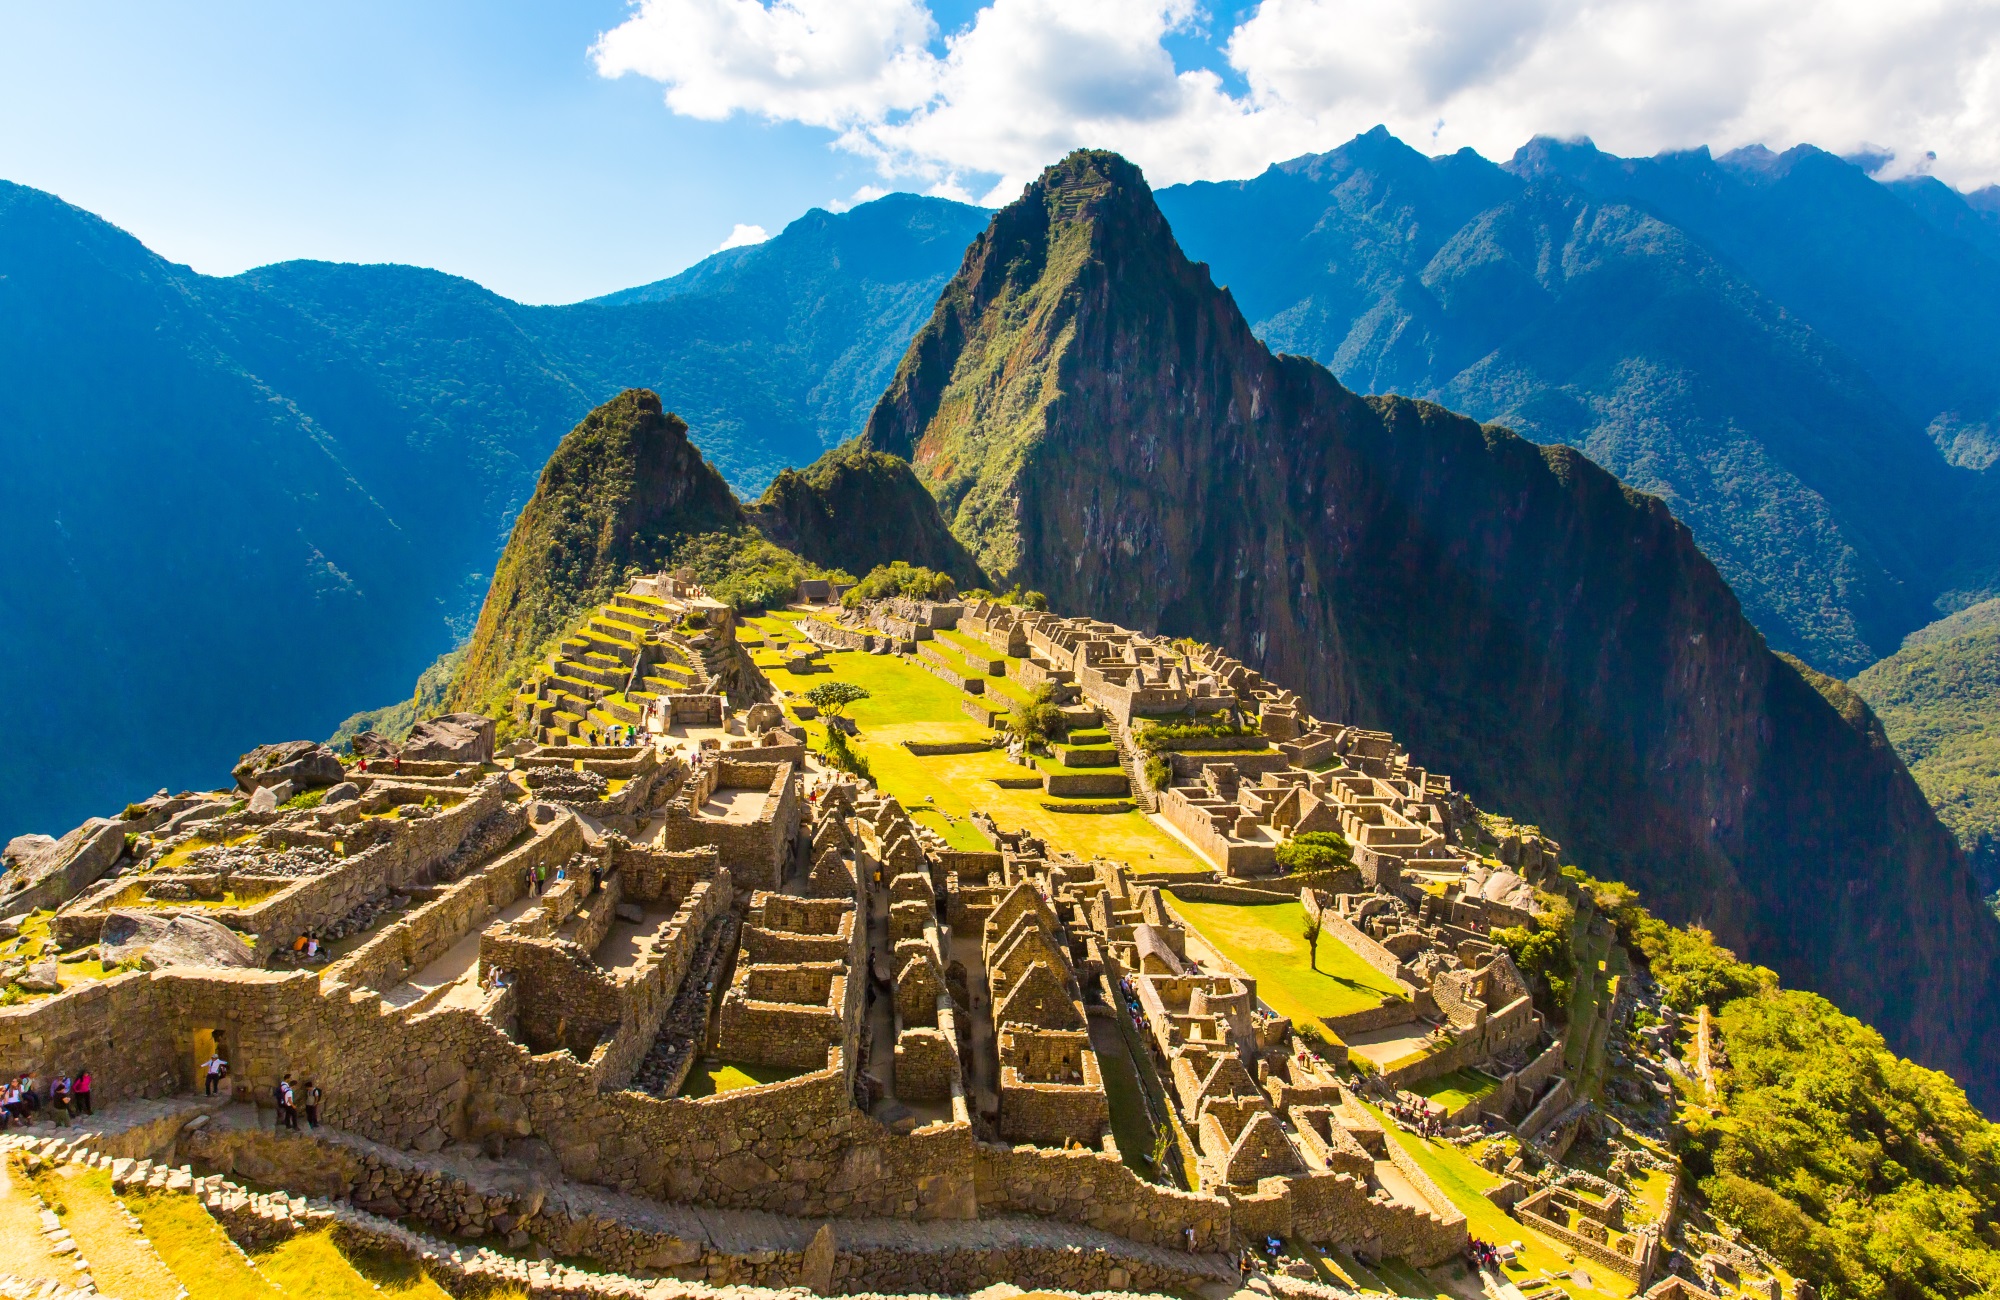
[26,1250]
[123,1262]
[194,1246]
[1092,807]
[315,1264]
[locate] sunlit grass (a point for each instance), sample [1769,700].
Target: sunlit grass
[1268,941]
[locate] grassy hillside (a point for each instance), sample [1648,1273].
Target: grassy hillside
[1939,700]
[620,495]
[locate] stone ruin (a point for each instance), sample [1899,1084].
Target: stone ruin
[546,961]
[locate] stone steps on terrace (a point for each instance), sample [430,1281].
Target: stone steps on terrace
[30,1252]
[123,1261]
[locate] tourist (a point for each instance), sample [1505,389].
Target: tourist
[534,886]
[282,1095]
[79,1091]
[59,1101]
[216,1067]
[312,1105]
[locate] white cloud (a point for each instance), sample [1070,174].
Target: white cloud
[1030,79]
[743,235]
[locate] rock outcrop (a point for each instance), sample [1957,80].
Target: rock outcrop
[44,873]
[155,940]
[1097,421]
[452,738]
[304,763]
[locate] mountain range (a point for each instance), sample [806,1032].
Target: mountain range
[247,506]
[1098,420]
[1795,357]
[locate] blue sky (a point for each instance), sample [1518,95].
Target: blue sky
[501,141]
[476,138]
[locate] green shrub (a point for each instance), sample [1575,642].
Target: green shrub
[839,754]
[1542,953]
[1315,854]
[1159,771]
[1158,736]
[832,698]
[1036,720]
[307,799]
[901,579]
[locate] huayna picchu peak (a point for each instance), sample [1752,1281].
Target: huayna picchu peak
[1139,817]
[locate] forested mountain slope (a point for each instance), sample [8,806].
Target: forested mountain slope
[1939,701]
[1098,421]
[247,506]
[1784,350]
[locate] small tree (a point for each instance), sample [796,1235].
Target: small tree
[1315,855]
[1037,720]
[832,698]
[1312,938]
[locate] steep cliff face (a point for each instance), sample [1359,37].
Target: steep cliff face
[854,509]
[623,489]
[1098,422]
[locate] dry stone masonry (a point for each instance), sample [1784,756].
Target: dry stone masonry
[657,963]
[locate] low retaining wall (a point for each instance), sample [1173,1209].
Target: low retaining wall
[1096,1189]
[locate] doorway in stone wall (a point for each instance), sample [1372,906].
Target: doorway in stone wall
[208,1043]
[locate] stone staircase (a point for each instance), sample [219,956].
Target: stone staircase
[627,653]
[1128,762]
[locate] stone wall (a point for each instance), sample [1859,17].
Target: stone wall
[755,852]
[1337,927]
[1095,1188]
[109,1027]
[408,945]
[927,1066]
[796,1017]
[653,875]
[1514,1026]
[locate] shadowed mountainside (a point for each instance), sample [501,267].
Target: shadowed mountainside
[854,509]
[1782,348]
[1098,421]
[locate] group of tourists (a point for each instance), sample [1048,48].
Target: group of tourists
[292,1098]
[1483,1254]
[22,1102]
[539,882]
[1421,1120]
